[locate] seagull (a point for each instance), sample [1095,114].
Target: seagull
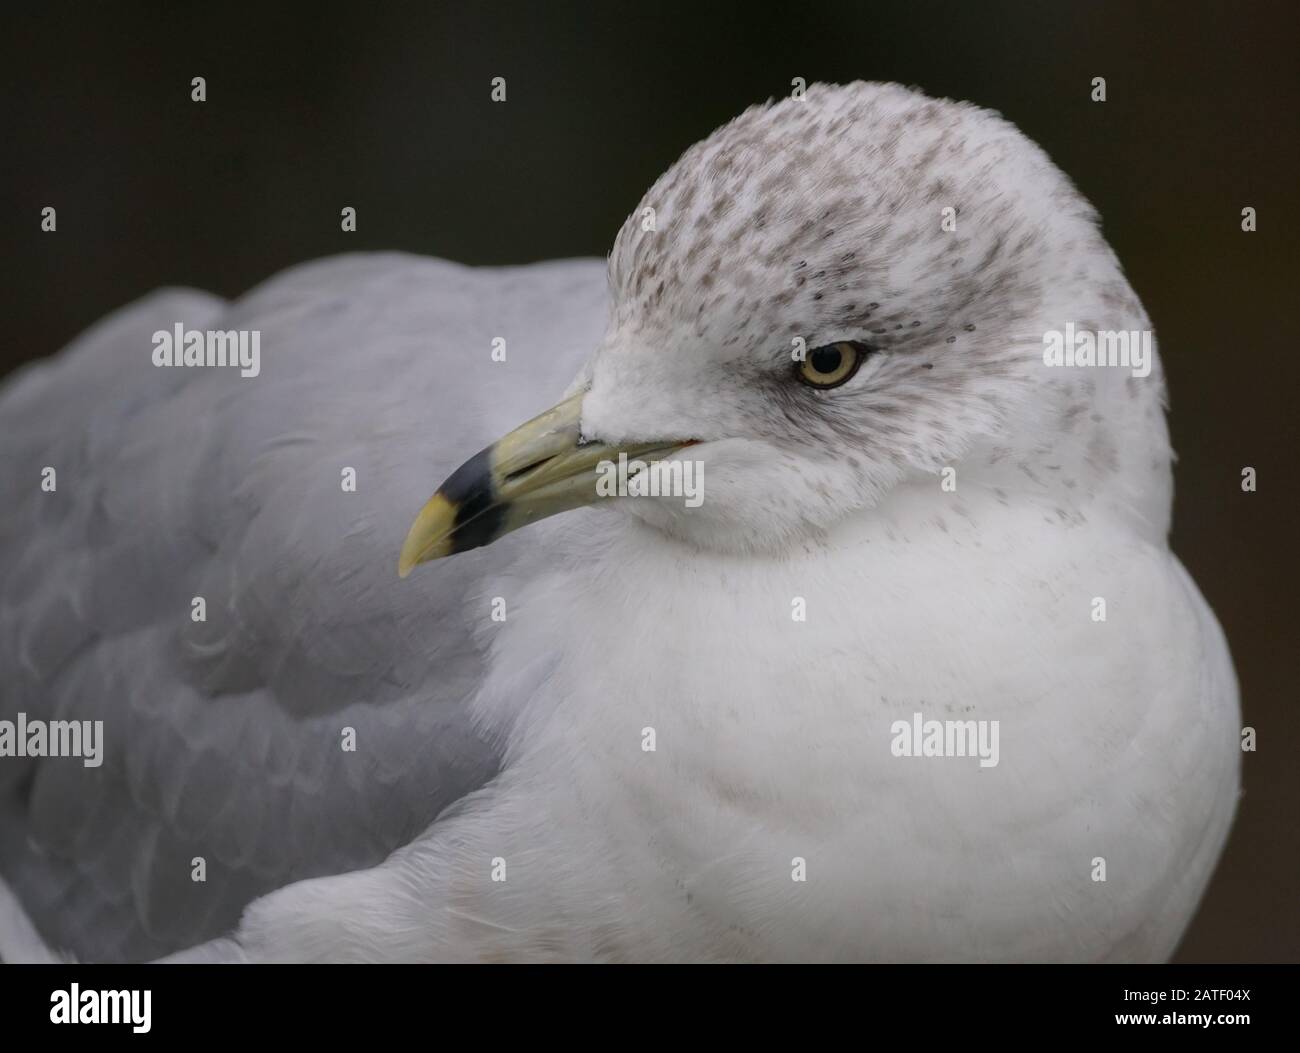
[629,727]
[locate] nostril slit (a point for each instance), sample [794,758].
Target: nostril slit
[510,478]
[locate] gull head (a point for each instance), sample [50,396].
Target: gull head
[829,297]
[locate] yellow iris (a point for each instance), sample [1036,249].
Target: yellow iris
[831,365]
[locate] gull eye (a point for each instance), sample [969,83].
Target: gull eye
[831,365]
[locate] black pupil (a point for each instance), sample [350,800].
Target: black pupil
[827,359]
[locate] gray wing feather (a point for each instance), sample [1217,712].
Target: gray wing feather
[223,737]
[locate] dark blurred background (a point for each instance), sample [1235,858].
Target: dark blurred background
[386,108]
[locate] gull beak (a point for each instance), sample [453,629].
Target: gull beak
[538,470]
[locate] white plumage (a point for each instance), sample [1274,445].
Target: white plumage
[566,839]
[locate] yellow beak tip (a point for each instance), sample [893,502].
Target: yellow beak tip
[429,536]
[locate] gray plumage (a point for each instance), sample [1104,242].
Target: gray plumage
[223,738]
